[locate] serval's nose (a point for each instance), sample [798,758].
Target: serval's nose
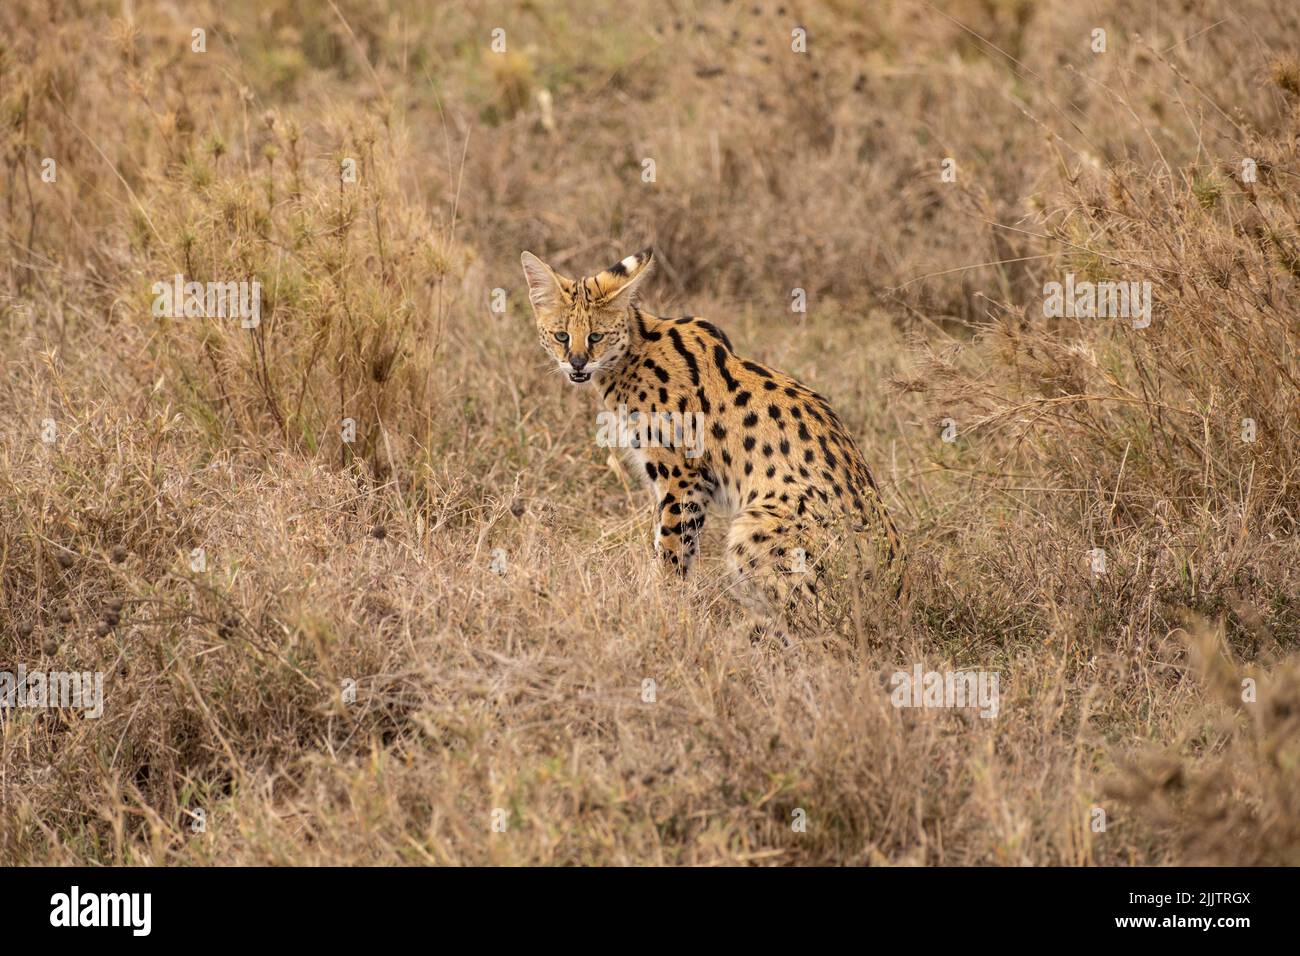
[578,360]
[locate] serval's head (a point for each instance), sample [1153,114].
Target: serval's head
[585,323]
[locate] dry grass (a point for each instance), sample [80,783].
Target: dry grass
[369,561]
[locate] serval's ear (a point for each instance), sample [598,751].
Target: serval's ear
[546,287]
[622,277]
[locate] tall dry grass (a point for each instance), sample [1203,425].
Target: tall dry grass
[369,561]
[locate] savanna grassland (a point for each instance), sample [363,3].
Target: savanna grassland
[370,561]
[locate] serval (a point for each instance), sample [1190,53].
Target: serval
[807,522]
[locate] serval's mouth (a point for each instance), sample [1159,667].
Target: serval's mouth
[579,377]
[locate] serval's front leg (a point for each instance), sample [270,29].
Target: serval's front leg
[681,492]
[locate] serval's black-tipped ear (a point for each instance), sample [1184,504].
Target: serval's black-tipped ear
[546,287]
[624,275]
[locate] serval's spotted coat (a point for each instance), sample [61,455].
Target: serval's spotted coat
[807,517]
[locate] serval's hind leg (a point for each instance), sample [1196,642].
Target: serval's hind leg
[773,572]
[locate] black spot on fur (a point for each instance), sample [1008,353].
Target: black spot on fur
[720,360]
[687,355]
[716,333]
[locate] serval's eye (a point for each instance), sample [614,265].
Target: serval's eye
[595,337]
[561,336]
